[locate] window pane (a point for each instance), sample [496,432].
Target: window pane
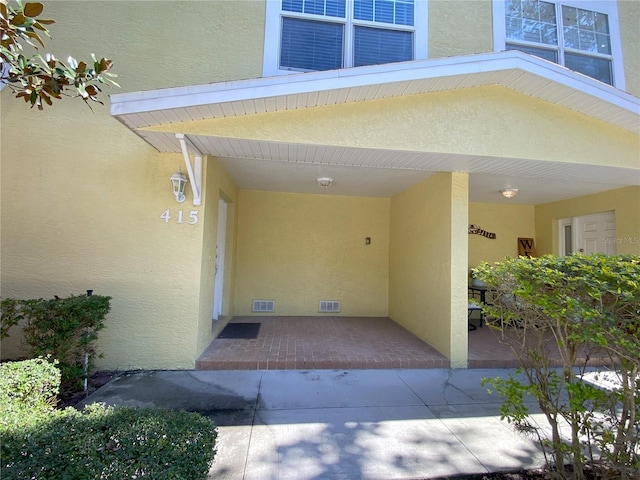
[373,46]
[586,30]
[604,44]
[404,13]
[292,5]
[601,23]
[571,38]
[547,54]
[331,8]
[311,45]
[568,241]
[335,8]
[588,41]
[394,12]
[315,7]
[363,10]
[532,21]
[383,11]
[598,68]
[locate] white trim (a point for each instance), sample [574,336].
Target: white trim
[609,7]
[269,87]
[562,223]
[195,170]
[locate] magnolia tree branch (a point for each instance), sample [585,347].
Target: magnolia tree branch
[37,79]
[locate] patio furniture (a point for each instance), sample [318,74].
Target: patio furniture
[477,298]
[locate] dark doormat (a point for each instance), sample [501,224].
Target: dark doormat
[240,330]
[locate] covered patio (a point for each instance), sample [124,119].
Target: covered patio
[299,343]
[357,189]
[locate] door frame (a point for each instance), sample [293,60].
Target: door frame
[218,275]
[570,226]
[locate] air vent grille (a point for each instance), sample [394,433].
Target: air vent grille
[263,306]
[329,306]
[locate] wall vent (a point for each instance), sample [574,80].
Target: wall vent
[263,306]
[329,306]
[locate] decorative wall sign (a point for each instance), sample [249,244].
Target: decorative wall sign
[476,230]
[526,247]
[192,219]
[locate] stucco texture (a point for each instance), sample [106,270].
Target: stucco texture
[427,282]
[629,13]
[159,44]
[82,196]
[473,32]
[508,222]
[300,249]
[625,202]
[487,121]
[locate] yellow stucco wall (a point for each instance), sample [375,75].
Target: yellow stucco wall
[82,195]
[163,44]
[629,13]
[473,32]
[624,201]
[472,121]
[299,249]
[427,282]
[508,222]
[80,211]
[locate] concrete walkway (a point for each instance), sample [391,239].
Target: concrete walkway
[340,424]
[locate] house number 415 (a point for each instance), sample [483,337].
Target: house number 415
[192,219]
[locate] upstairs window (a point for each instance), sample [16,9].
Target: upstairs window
[578,38]
[314,35]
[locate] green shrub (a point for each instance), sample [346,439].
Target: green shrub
[576,305]
[110,443]
[40,442]
[28,389]
[10,315]
[65,329]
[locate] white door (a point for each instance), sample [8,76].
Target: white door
[596,233]
[218,282]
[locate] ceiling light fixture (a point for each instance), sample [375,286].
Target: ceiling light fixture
[509,192]
[325,182]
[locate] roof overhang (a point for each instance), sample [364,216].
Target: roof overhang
[520,72]
[528,75]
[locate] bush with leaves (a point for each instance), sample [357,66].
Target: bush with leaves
[10,315]
[37,79]
[96,443]
[580,307]
[64,329]
[67,330]
[28,390]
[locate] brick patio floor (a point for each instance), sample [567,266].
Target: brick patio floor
[295,343]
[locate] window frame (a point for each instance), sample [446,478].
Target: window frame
[610,8]
[273,29]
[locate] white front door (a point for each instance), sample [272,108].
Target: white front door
[596,233]
[218,282]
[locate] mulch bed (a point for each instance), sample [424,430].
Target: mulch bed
[70,398]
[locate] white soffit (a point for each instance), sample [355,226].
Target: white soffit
[512,69]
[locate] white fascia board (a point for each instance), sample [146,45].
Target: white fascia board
[268,87]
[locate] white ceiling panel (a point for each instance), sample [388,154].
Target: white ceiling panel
[277,166]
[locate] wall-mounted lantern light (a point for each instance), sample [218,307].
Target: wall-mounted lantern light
[178,182]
